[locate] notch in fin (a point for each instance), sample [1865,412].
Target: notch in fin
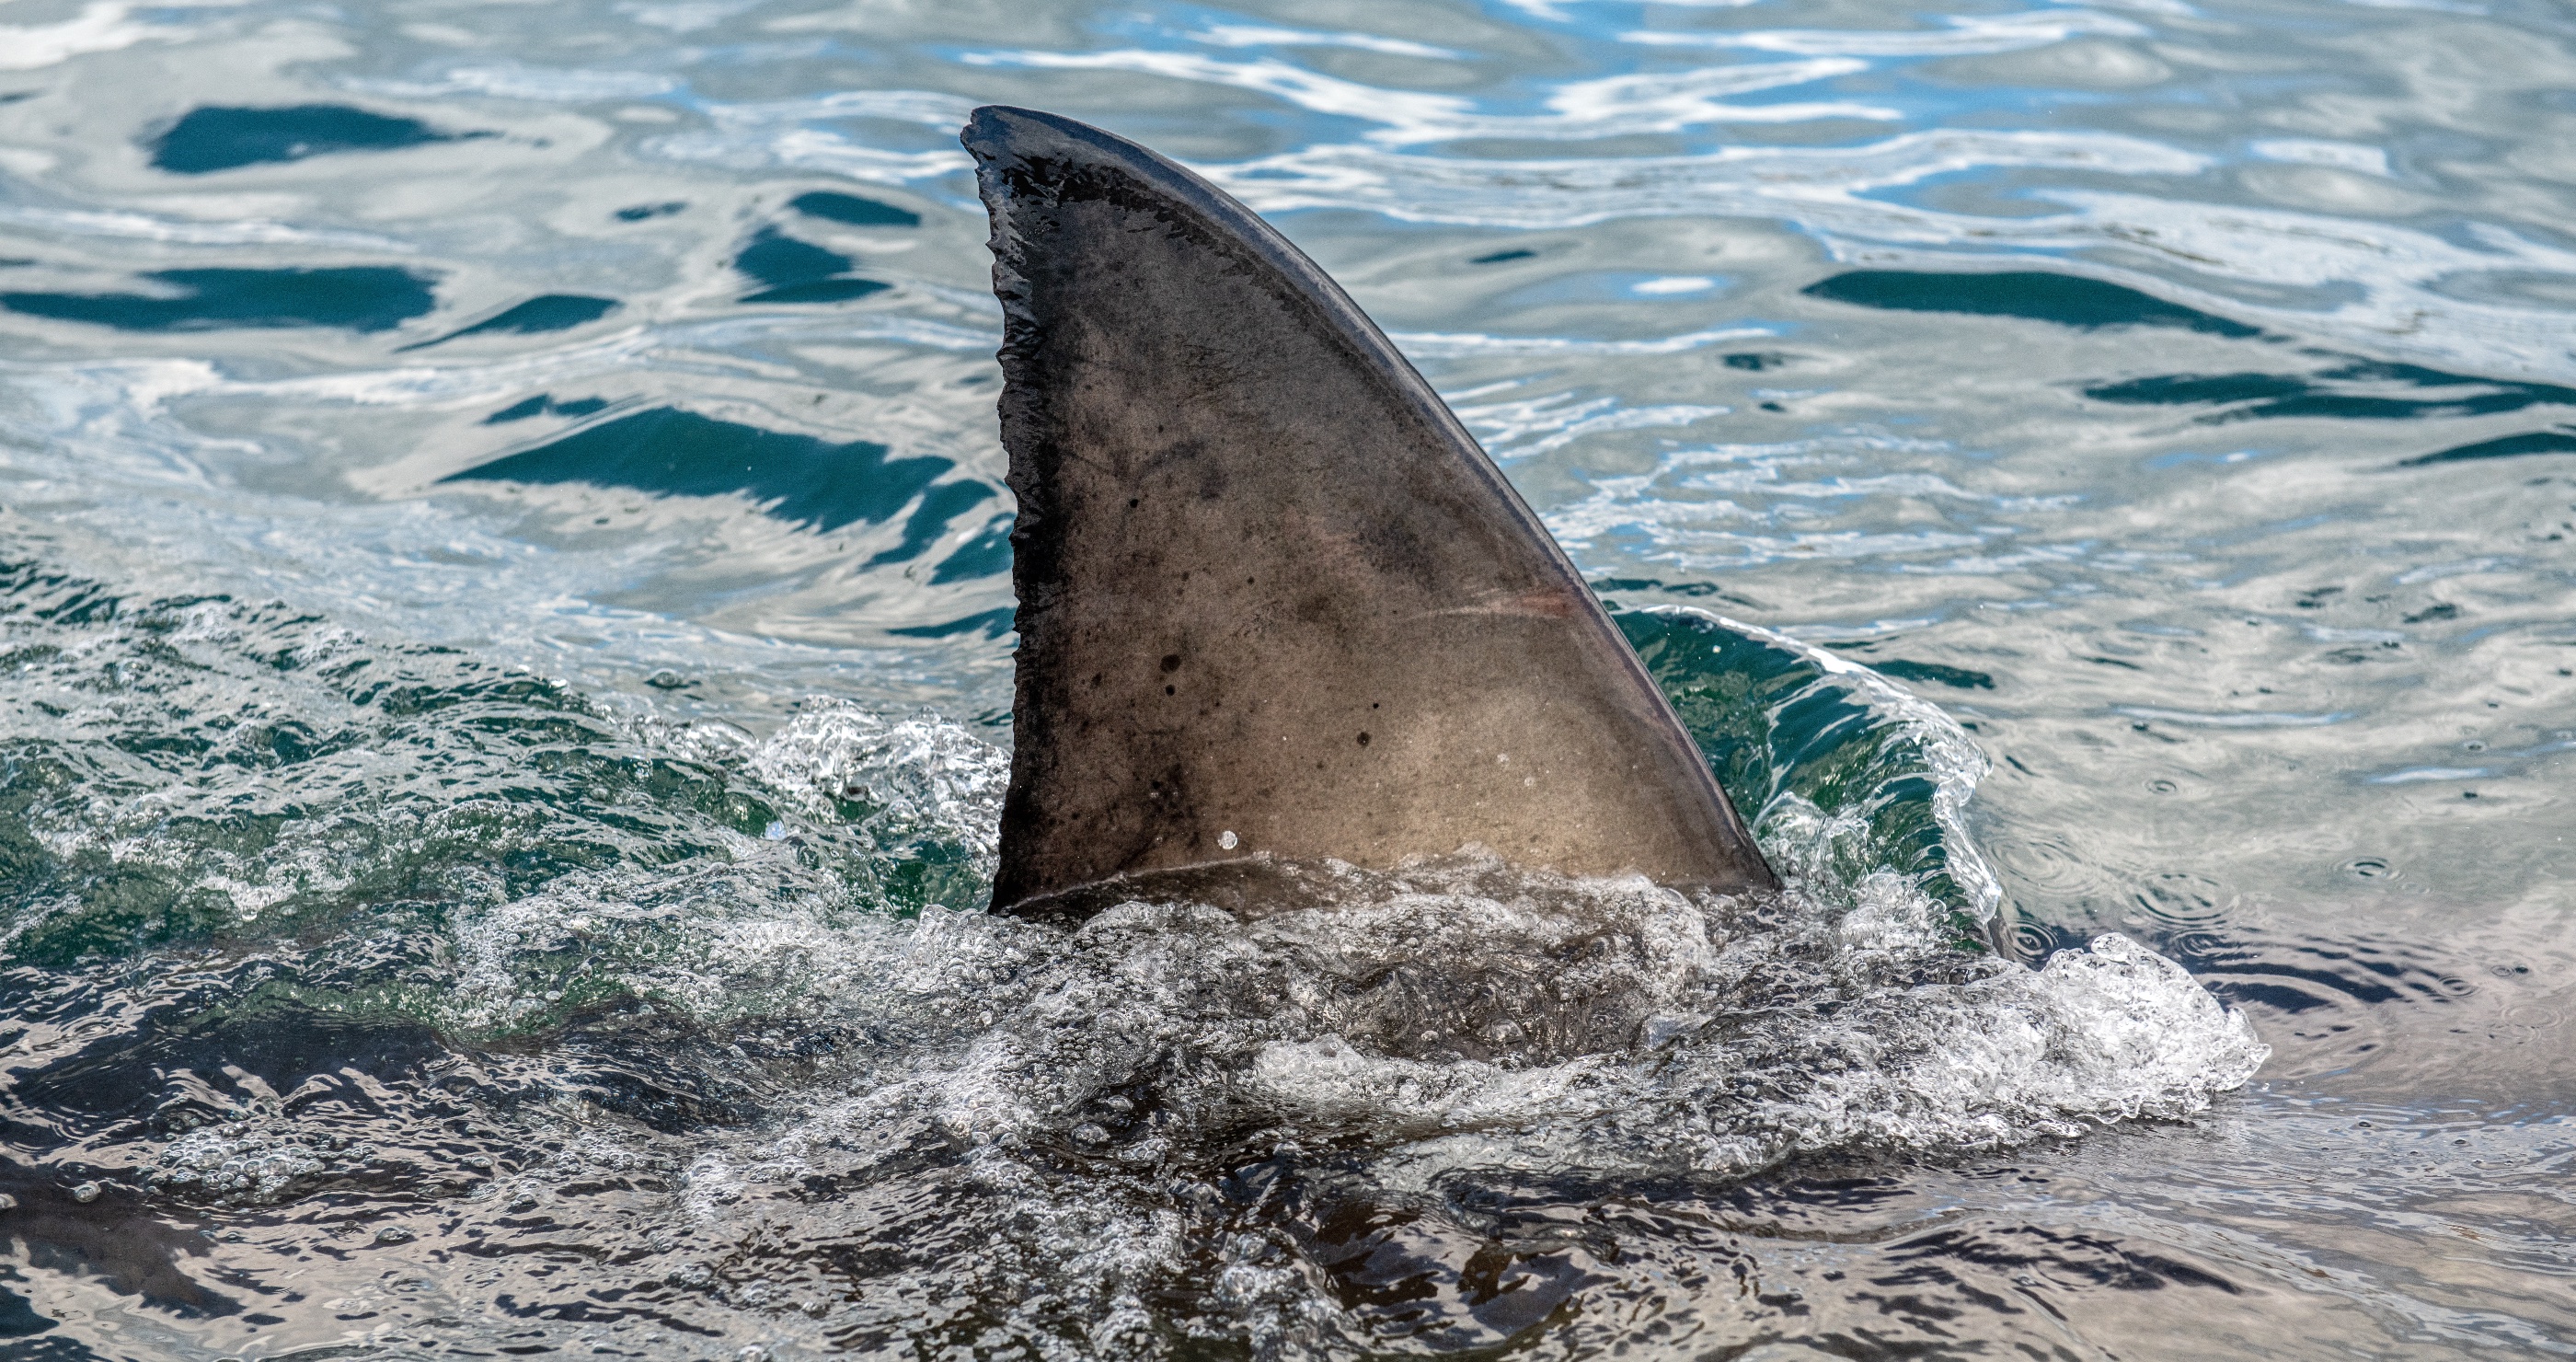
[1274,601]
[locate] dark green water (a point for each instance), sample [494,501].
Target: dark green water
[506,626]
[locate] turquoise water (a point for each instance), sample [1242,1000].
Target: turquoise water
[507,613]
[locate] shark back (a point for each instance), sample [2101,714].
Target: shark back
[1274,601]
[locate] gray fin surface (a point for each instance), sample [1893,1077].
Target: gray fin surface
[1275,603]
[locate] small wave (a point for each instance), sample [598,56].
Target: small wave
[706,967]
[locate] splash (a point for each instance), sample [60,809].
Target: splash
[488,960]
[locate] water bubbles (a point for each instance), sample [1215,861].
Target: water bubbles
[667,986]
[87,1192]
[921,776]
[2368,868]
[246,1165]
[1459,1018]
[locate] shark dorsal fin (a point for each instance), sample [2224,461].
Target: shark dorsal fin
[1274,601]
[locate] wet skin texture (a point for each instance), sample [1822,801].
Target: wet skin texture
[1268,585]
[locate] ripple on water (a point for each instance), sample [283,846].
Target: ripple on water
[362,996]
[2179,900]
[454,952]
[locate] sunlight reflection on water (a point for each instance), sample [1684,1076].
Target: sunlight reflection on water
[2181,396]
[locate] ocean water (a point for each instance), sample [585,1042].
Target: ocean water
[505,606]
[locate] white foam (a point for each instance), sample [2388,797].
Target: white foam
[256,1166]
[922,774]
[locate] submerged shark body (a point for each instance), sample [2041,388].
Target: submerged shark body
[1275,604]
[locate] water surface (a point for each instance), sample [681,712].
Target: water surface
[507,613]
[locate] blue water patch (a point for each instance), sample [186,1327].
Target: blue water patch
[801,479]
[18,1317]
[1697,591]
[799,271]
[2356,389]
[642,211]
[1957,678]
[852,209]
[986,555]
[544,405]
[990,623]
[550,312]
[217,138]
[356,297]
[939,507]
[2560,441]
[1777,727]
[2038,295]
